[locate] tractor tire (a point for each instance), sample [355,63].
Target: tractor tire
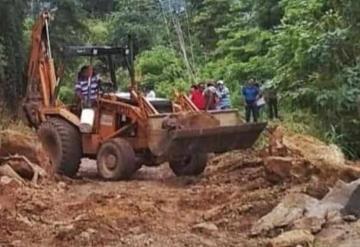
[116,160]
[62,141]
[189,166]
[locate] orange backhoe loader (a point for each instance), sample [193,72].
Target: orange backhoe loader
[127,129]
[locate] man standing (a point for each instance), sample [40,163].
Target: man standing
[224,96]
[251,94]
[271,99]
[211,97]
[197,97]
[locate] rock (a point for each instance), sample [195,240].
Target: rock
[136,230]
[5,180]
[334,201]
[205,227]
[64,232]
[334,217]
[292,208]
[352,207]
[149,242]
[317,189]
[6,170]
[91,231]
[293,238]
[22,168]
[312,224]
[278,169]
[85,235]
[62,186]
[341,193]
[17,243]
[299,211]
[350,218]
[334,235]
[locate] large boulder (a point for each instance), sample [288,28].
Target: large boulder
[302,212]
[291,209]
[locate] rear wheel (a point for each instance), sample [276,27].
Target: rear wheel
[116,160]
[62,142]
[189,166]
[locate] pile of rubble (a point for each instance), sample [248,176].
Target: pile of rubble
[298,192]
[295,157]
[300,219]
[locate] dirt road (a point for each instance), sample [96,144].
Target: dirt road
[153,209]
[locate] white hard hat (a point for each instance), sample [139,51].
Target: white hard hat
[221,82]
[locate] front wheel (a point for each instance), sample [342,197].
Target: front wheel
[192,165]
[62,141]
[116,160]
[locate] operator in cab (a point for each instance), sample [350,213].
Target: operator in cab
[87,86]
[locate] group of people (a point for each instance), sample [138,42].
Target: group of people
[216,96]
[258,95]
[213,96]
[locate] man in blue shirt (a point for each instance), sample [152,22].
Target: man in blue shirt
[251,94]
[224,96]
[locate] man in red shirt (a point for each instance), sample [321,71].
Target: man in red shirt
[197,97]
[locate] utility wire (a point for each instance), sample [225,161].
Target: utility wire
[174,19]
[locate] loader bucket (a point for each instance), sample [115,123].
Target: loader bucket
[209,140]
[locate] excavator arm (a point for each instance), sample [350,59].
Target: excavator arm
[41,77]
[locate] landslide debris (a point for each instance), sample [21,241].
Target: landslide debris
[22,157]
[220,208]
[298,157]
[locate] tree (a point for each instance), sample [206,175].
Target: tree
[267,13]
[161,68]
[140,19]
[209,15]
[12,54]
[70,20]
[98,8]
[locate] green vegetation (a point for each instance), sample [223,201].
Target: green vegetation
[160,68]
[309,49]
[12,54]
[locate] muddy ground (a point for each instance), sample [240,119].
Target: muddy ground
[155,208]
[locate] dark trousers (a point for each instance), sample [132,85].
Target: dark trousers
[251,109]
[273,108]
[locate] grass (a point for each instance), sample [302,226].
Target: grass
[12,122]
